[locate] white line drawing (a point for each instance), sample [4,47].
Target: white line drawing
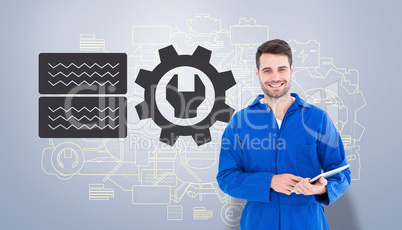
[83,64]
[305,54]
[85,126]
[248,32]
[83,82]
[231,212]
[151,194]
[89,43]
[79,75]
[79,110]
[200,213]
[174,212]
[99,192]
[79,119]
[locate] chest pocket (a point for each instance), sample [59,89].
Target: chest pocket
[308,164]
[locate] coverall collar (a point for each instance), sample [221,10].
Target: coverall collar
[298,101]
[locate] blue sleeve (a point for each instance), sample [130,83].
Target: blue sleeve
[331,153]
[232,178]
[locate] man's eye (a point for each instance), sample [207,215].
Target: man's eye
[267,71]
[281,69]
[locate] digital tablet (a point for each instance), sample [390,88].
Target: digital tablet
[329,173]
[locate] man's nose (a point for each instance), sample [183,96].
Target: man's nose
[275,76]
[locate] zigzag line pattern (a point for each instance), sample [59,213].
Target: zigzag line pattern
[150,179]
[67,75]
[90,128]
[79,119]
[83,82]
[89,110]
[84,64]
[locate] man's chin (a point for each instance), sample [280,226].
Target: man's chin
[276,94]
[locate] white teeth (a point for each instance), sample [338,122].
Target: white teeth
[275,85]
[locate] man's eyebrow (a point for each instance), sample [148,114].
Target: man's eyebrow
[280,67]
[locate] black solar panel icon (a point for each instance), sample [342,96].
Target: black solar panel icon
[74,116]
[85,117]
[82,73]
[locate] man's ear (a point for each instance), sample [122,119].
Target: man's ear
[292,69]
[256,71]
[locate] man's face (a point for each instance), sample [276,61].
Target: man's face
[274,74]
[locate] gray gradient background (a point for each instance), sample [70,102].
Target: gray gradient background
[363,35]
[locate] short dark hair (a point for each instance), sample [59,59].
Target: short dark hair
[276,46]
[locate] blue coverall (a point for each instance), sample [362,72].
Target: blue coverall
[254,149]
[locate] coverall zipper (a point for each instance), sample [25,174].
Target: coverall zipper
[287,114]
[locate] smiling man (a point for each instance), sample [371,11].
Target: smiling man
[274,178]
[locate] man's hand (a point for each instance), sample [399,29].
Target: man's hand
[318,188]
[284,183]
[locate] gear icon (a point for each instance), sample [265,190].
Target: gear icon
[200,60]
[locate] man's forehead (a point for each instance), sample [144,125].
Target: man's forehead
[273,60]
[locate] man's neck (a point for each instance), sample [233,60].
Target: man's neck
[280,105]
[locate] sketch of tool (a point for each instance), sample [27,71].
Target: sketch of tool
[170,59]
[231,213]
[79,157]
[185,103]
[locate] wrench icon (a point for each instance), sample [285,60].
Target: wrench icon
[185,104]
